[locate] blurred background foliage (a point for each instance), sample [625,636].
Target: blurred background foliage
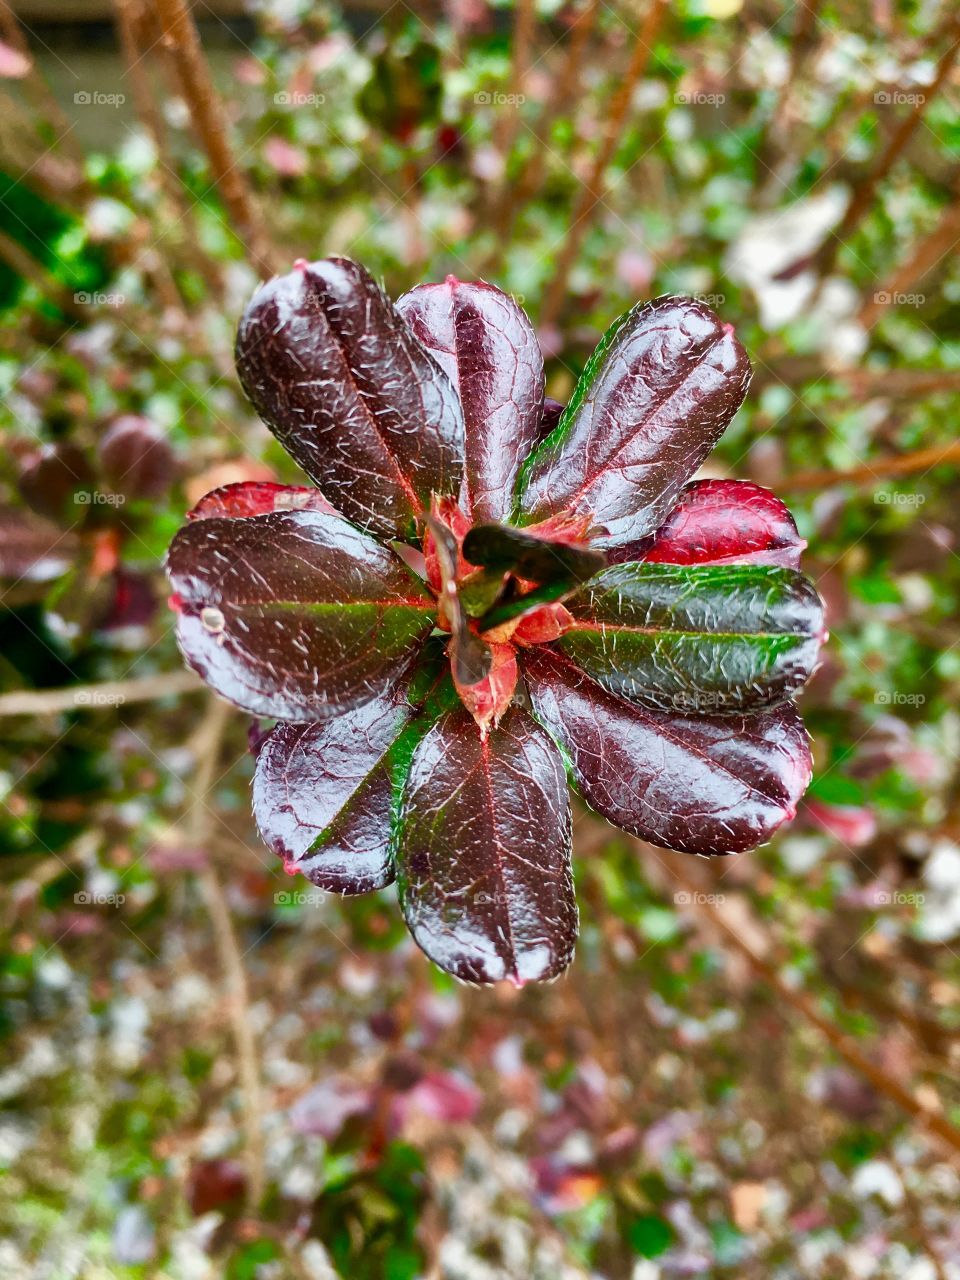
[750,1069]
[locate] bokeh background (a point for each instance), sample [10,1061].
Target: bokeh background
[208,1071]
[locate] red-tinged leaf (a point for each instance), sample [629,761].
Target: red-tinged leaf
[683,638]
[488,699]
[652,402]
[32,550]
[137,458]
[447,513]
[539,625]
[483,863]
[258,498]
[699,784]
[323,795]
[721,522]
[297,614]
[470,657]
[487,347]
[853,825]
[350,393]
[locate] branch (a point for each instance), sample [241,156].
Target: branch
[207,746]
[927,253]
[594,188]
[183,43]
[903,464]
[96,697]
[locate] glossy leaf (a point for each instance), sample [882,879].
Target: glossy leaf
[323,794]
[258,498]
[487,347]
[652,402]
[483,863]
[700,784]
[721,522]
[708,638]
[58,483]
[470,658]
[542,560]
[348,391]
[297,614]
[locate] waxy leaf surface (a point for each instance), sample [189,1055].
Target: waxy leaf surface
[699,784]
[487,347]
[323,793]
[700,638]
[721,522]
[332,368]
[483,863]
[297,614]
[495,546]
[652,402]
[258,498]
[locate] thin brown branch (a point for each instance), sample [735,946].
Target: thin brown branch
[865,191]
[207,745]
[525,19]
[181,39]
[927,253]
[594,188]
[98,697]
[515,196]
[905,464]
[842,1043]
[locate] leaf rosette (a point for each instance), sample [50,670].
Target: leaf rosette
[482,596]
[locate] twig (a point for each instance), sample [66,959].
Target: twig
[40,92]
[524,22]
[842,1043]
[97,697]
[594,187]
[902,465]
[198,822]
[865,190]
[181,39]
[930,250]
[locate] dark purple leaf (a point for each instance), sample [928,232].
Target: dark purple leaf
[470,657]
[483,863]
[58,482]
[685,638]
[32,549]
[487,347]
[350,393]
[323,795]
[700,784]
[137,458]
[543,560]
[297,614]
[721,522]
[652,402]
[259,498]
[552,412]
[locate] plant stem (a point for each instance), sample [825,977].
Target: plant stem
[181,39]
[927,253]
[594,188]
[207,745]
[901,465]
[96,697]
